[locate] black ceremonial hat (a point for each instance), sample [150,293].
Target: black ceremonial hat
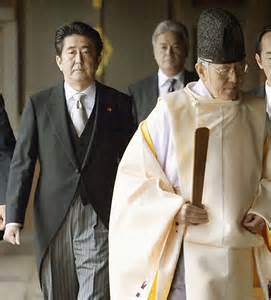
[220,37]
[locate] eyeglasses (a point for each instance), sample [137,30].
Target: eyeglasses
[223,71]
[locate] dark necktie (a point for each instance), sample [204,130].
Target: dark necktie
[172,85]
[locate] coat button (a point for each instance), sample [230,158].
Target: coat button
[77,171]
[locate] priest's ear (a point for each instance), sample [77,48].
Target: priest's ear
[202,71]
[259,60]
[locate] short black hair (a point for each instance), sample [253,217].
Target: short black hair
[81,29]
[266,29]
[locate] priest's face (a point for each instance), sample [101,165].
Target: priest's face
[170,53]
[264,57]
[224,80]
[78,61]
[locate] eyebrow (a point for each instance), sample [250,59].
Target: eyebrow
[84,46]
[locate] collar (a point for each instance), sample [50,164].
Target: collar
[268,98]
[268,90]
[70,92]
[163,78]
[200,89]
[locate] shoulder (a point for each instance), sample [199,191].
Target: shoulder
[46,93]
[255,104]
[112,97]
[143,83]
[109,92]
[177,100]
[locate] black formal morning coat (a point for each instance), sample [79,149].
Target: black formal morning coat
[7,144]
[145,93]
[44,135]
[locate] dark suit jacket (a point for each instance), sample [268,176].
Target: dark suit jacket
[145,93]
[44,135]
[7,144]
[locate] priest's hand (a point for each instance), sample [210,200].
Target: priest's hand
[2,217]
[190,214]
[254,223]
[12,233]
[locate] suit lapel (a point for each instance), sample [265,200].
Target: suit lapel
[97,120]
[56,109]
[153,93]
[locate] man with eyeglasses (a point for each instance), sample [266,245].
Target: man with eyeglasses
[263,59]
[173,249]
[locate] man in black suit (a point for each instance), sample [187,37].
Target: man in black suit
[170,46]
[263,59]
[78,131]
[7,144]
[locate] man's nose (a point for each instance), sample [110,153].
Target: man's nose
[78,56]
[169,50]
[233,76]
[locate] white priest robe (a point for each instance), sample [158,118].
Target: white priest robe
[145,235]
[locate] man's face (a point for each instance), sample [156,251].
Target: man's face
[223,80]
[264,59]
[78,61]
[169,53]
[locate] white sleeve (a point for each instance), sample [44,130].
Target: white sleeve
[160,131]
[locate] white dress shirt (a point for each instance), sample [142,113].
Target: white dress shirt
[89,100]
[164,82]
[268,99]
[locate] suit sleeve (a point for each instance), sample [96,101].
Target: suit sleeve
[129,123]
[7,144]
[22,166]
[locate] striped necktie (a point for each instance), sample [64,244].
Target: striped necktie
[172,85]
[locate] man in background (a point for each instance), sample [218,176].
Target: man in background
[263,59]
[7,144]
[170,42]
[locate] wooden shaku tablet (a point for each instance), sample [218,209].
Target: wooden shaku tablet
[200,155]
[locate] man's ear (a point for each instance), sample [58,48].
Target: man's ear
[259,60]
[202,71]
[59,62]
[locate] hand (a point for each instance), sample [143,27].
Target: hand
[190,214]
[254,223]
[2,217]
[12,234]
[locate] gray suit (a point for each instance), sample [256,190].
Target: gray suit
[145,93]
